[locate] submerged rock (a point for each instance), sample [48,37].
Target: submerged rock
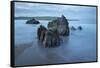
[32,21]
[61,24]
[80,27]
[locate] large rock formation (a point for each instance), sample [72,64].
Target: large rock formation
[61,24]
[32,21]
[49,38]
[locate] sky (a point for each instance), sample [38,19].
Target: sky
[70,11]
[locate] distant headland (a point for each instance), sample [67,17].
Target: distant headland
[41,18]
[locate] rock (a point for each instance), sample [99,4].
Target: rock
[73,28]
[41,31]
[79,27]
[49,37]
[61,24]
[52,38]
[32,21]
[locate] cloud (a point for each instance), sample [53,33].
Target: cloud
[37,9]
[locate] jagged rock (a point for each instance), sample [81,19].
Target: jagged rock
[32,21]
[61,24]
[79,27]
[73,28]
[51,37]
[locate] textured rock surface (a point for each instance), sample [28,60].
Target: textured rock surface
[61,24]
[50,36]
[51,39]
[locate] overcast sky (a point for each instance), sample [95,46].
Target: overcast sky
[37,9]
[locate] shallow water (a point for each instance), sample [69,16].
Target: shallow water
[80,46]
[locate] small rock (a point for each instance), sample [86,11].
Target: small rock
[73,28]
[32,21]
[80,27]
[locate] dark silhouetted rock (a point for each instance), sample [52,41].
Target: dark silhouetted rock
[73,28]
[32,21]
[61,24]
[79,27]
[41,32]
[49,37]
